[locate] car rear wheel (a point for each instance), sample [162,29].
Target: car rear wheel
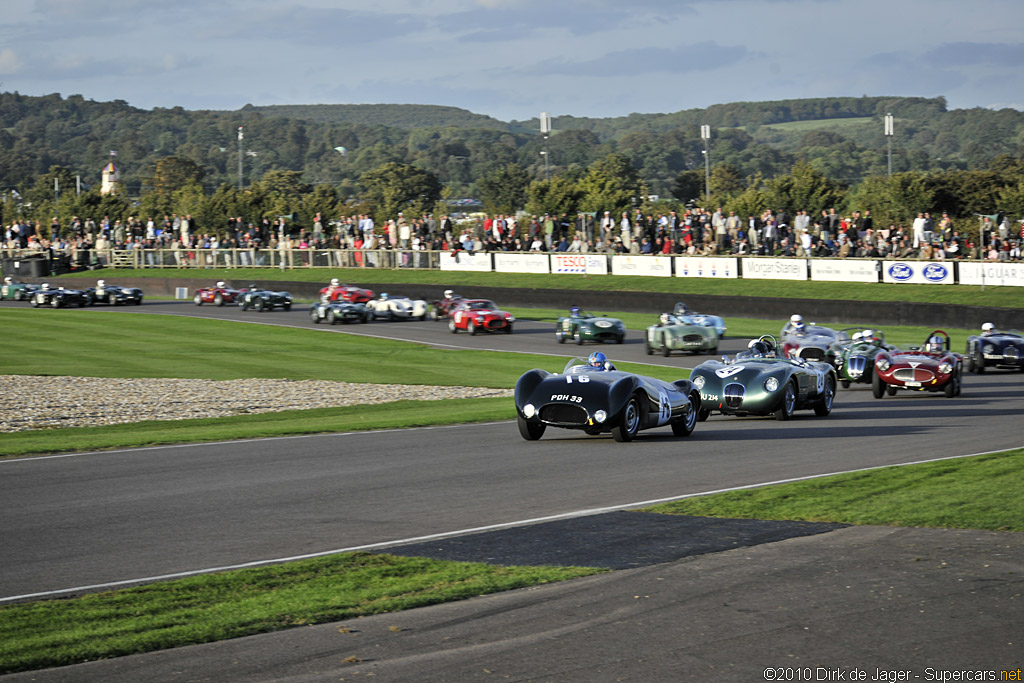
[877,386]
[198,299]
[531,431]
[314,316]
[559,336]
[647,347]
[824,406]
[788,405]
[630,423]
[685,424]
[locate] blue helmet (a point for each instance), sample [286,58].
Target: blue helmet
[575,310]
[597,360]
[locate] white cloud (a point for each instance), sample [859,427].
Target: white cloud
[10,64]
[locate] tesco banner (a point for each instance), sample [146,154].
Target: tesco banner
[702,266]
[462,260]
[918,272]
[580,264]
[632,264]
[841,270]
[521,262]
[996,274]
[775,269]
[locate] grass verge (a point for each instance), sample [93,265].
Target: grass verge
[968,295]
[215,607]
[981,492]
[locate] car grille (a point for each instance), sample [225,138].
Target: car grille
[913,375]
[563,414]
[811,353]
[693,338]
[1011,353]
[856,365]
[495,324]
[733,394]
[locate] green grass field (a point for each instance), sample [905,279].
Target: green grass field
[1007,297]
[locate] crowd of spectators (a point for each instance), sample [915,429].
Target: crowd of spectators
[692,232]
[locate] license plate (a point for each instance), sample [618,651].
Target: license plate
[912,384]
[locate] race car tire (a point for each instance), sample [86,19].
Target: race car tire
[824,406]
[531,431]
[878,388]
[704,414]
[218,299]
[364,319]
[471,328]
[621,338]
[333,318]
[684,425]
[577,337]
[950,390]
[508,328]
[313,316]
[890,390]
[138,302]
[970,361]
[665,351]
[844,383]
[785,410]
[559,336]
[55,302]
[198,299]
[451,326]
[630,423]
[259,305]
[433,315]
[287,307]
[979,363]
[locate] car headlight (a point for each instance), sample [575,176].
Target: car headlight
[511,318]
[600,416]
[988,348]
[771,385]
[529,410]
[945,368]
[698,382]
[882,364]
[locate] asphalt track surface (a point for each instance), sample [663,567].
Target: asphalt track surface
[122,516]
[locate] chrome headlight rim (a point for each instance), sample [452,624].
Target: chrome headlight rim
[945,368]
[699,381]
[600,416]
[882,364]
[771,385]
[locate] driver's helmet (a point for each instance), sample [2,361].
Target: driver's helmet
[857,336]
[575,310]
[799,327]
[448,294]
[868,335]
[988,328]
[252,286]
[101,283]
[335,282]
[681,308]
[935,344]
[384,296]
[665,318]
[597,360]
[758,348]
[46,286]
[7,280]
[795,319]
[221,284]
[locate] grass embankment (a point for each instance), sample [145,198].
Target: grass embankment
[967,295]
[204,609]
[981,492]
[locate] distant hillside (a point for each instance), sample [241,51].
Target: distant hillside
[405,116]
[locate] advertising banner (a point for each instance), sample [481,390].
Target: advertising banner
[521,262]
[995,273]
[633,264]
[918,272]
[592,264]
[704,266]
[774,268]
[462,260]
[842,270]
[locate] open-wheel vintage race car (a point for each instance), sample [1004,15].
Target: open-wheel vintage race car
[933,367]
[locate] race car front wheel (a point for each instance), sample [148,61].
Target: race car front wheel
[630,423]
[531,431]
[877,386]
[785,410]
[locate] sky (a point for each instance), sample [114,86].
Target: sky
[513,59]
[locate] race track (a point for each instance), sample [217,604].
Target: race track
[93,519]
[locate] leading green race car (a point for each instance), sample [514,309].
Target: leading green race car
[680,333]
[762,381]
[854,358]
[581,326]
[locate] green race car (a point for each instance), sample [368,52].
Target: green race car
[854,358]
[763,381]
[19,291]
[581,326]
[680,333]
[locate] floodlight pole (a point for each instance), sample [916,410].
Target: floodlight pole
[705,134]
[545,129]
[888,135]
[240,153]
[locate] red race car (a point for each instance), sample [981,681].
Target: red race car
[444,307]
[218,295]
[339,292]
[933,368]
[474,315]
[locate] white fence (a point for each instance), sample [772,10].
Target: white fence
[752,267]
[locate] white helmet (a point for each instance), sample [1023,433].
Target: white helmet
[335,282]
[857,336]
[7,280]
[220,283]
[664,318]
[934,344]
[796,318]
[448,294]
[988,327]
[46,286]
[867,334]
[100,283]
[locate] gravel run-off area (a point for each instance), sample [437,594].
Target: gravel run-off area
[30,402]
